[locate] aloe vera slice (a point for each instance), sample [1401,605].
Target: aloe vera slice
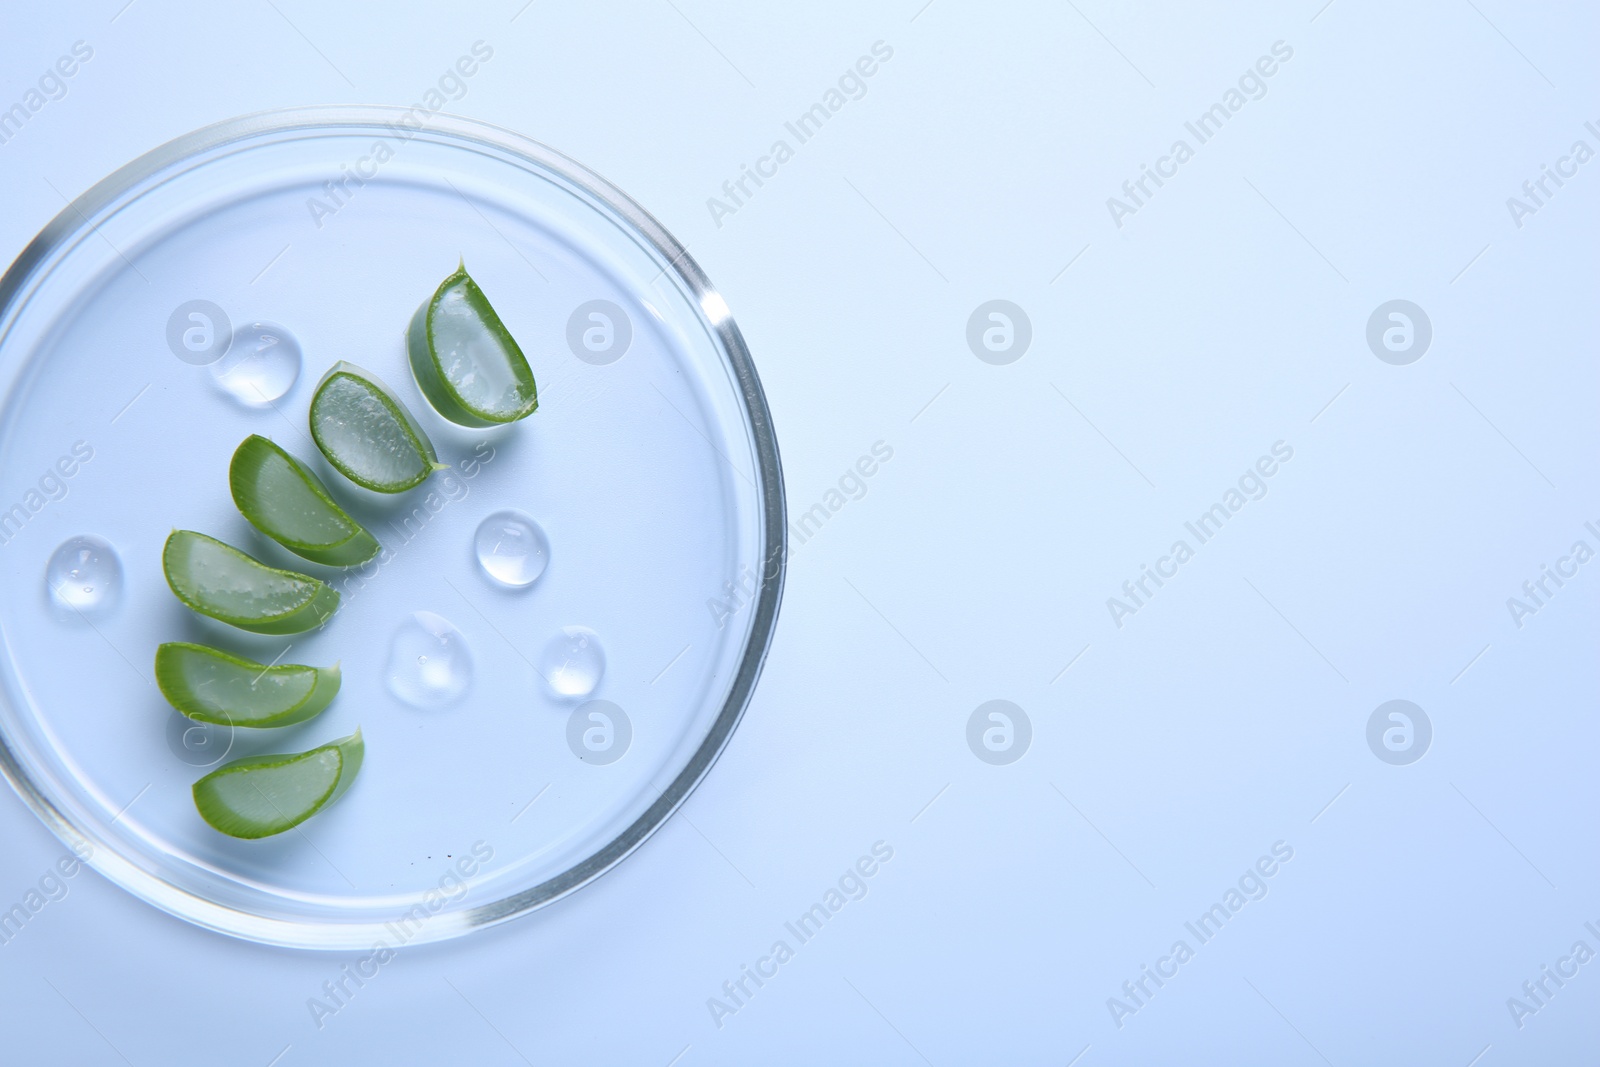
[286,501]
[259,796]
[219,581]
[465,361]
[368,434]
[209,685]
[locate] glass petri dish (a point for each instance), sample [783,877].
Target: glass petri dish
[565,626]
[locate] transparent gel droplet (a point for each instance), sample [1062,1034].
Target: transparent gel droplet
[573,661]
[429,665]
[512,549]
[262,364]
[84,576]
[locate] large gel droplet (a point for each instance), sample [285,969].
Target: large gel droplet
[512,549]
[262,364]
[429,665]
[84,576]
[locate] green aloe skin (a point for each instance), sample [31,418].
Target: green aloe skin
[259,796]
[465,361]
[219,581]
[285,500]
[209,685]
[368,434]
[474,374]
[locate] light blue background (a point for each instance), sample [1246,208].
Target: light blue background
[1227,314]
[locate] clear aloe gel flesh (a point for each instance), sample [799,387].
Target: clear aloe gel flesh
[465,361]
[259,796]
[367,432]
[285,500]
[209,685]
[218,581]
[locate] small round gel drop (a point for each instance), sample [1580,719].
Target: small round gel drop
[262,364]
[84,576]
[512,549]
[572,662]
[429,665]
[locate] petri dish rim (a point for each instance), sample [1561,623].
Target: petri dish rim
[80,218]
